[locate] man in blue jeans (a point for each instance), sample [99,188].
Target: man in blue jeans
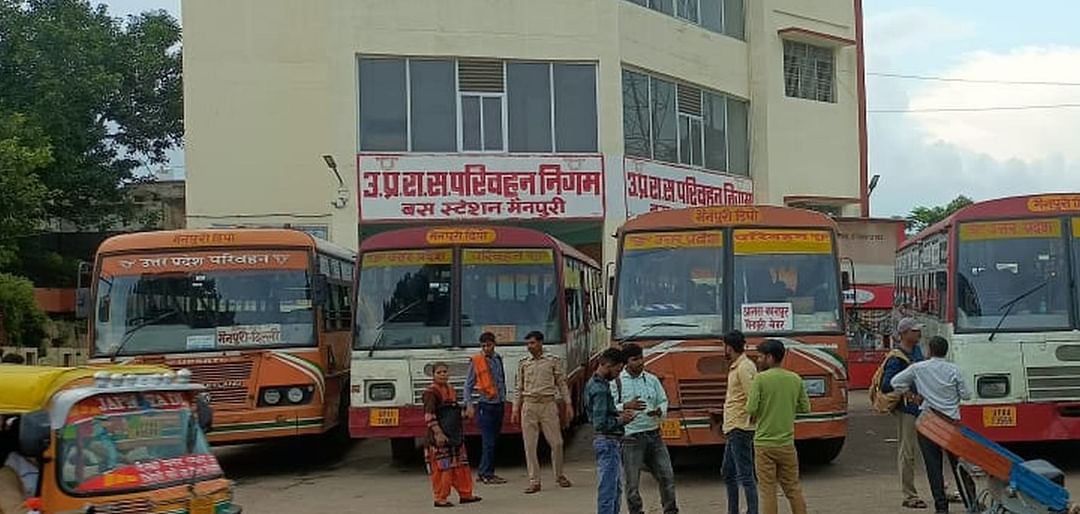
[487,377]
[608,431]
[738,466]
[642,446]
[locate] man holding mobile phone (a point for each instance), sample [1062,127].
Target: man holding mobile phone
[638,390]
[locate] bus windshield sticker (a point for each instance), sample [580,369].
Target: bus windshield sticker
[760,241]
[504,334]
[268,334]
[657,240]
[201,342]
[767,317]
[496,257]
[406,258]
[1016,229]
[1076,227]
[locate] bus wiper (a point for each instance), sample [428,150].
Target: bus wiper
[1008,306]
[131,332]
[388,319]
[650,326]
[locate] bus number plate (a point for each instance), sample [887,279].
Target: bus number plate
[671,429]
[384,418]
[999,417]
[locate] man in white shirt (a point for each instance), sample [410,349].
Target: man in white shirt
[642,445]
[941,388]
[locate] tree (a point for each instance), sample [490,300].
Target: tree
[23,152]
[20,317]
[105,93]
[923,217]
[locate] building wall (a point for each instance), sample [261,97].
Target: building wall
[271,85]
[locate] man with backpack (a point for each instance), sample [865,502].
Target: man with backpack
[901,405]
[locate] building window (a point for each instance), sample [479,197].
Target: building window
[681,123]
[722,16]
[809,72]
[471,105]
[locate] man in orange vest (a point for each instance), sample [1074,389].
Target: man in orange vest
[488,379]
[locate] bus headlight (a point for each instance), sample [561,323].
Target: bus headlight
[271,396]
[815,386]
[381,391]
[992,386]
[295,395]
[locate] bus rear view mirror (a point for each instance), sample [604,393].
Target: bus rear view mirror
[845,281]
[34,433]
[82,303]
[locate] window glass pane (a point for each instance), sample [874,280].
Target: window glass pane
[695,142]
[665,133]
[434,111]
[664,6]
[734,19]
[715,115]
[509,291]
[575,108]
[684,139]
[636,114]
[493,135]
[738,137]
[404,299]
[470,123]
[382,105]
[529,101]
[641,2]
[712,15]
[688,10]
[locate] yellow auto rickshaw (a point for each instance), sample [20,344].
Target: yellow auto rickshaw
[117,439]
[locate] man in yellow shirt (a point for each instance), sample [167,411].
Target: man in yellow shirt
[738,467]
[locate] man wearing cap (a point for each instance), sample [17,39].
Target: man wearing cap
[910,332]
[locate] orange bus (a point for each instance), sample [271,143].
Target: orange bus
[425,295]
[685,277]
[261,317]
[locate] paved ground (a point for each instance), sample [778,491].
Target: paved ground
[273,478]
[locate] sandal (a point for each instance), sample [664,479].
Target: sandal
[563,482]
[914,503]
[532,489]
[495,480]
[471,499]
[954,497]
[444,504]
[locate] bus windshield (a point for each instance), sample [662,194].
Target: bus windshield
[1019,267]
[785,281]
[136,447]
[671,285]
[509,292]
[174,310]
[404,299]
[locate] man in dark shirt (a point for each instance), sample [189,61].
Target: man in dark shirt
[607,425]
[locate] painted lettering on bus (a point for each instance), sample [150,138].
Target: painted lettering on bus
[1054,203]
[438,236]
[726,215]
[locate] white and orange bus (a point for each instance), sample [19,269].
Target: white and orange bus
[999,280]
[426,294]
[261,317]
[685,277]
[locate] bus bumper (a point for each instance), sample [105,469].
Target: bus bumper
[704,430]
[232,427]
[1024,422]
[409,423]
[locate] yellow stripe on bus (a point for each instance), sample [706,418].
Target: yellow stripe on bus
[653,240]
[782,241]
[1012,229]
[1076,227]
[495,257]
[406,258]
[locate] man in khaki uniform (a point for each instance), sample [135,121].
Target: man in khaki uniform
[541,389]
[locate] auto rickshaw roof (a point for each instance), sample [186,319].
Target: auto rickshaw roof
[28,388]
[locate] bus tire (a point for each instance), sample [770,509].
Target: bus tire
[403,449]
[818,452]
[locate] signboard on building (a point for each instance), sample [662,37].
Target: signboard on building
[480,187]
[871,245]
[655,186]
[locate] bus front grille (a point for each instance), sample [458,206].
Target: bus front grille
[702,393]
[420,385]
[125,507]
[226,382]
[1054,383]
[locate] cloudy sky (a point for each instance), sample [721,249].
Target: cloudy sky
[929,152]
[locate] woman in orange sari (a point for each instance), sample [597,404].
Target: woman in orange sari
[447,460]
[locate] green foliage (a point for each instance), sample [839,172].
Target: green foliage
[20,316]
[23,152]
[924,217]
[104,92]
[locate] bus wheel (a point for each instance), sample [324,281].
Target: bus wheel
[818,452]
[403,449]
